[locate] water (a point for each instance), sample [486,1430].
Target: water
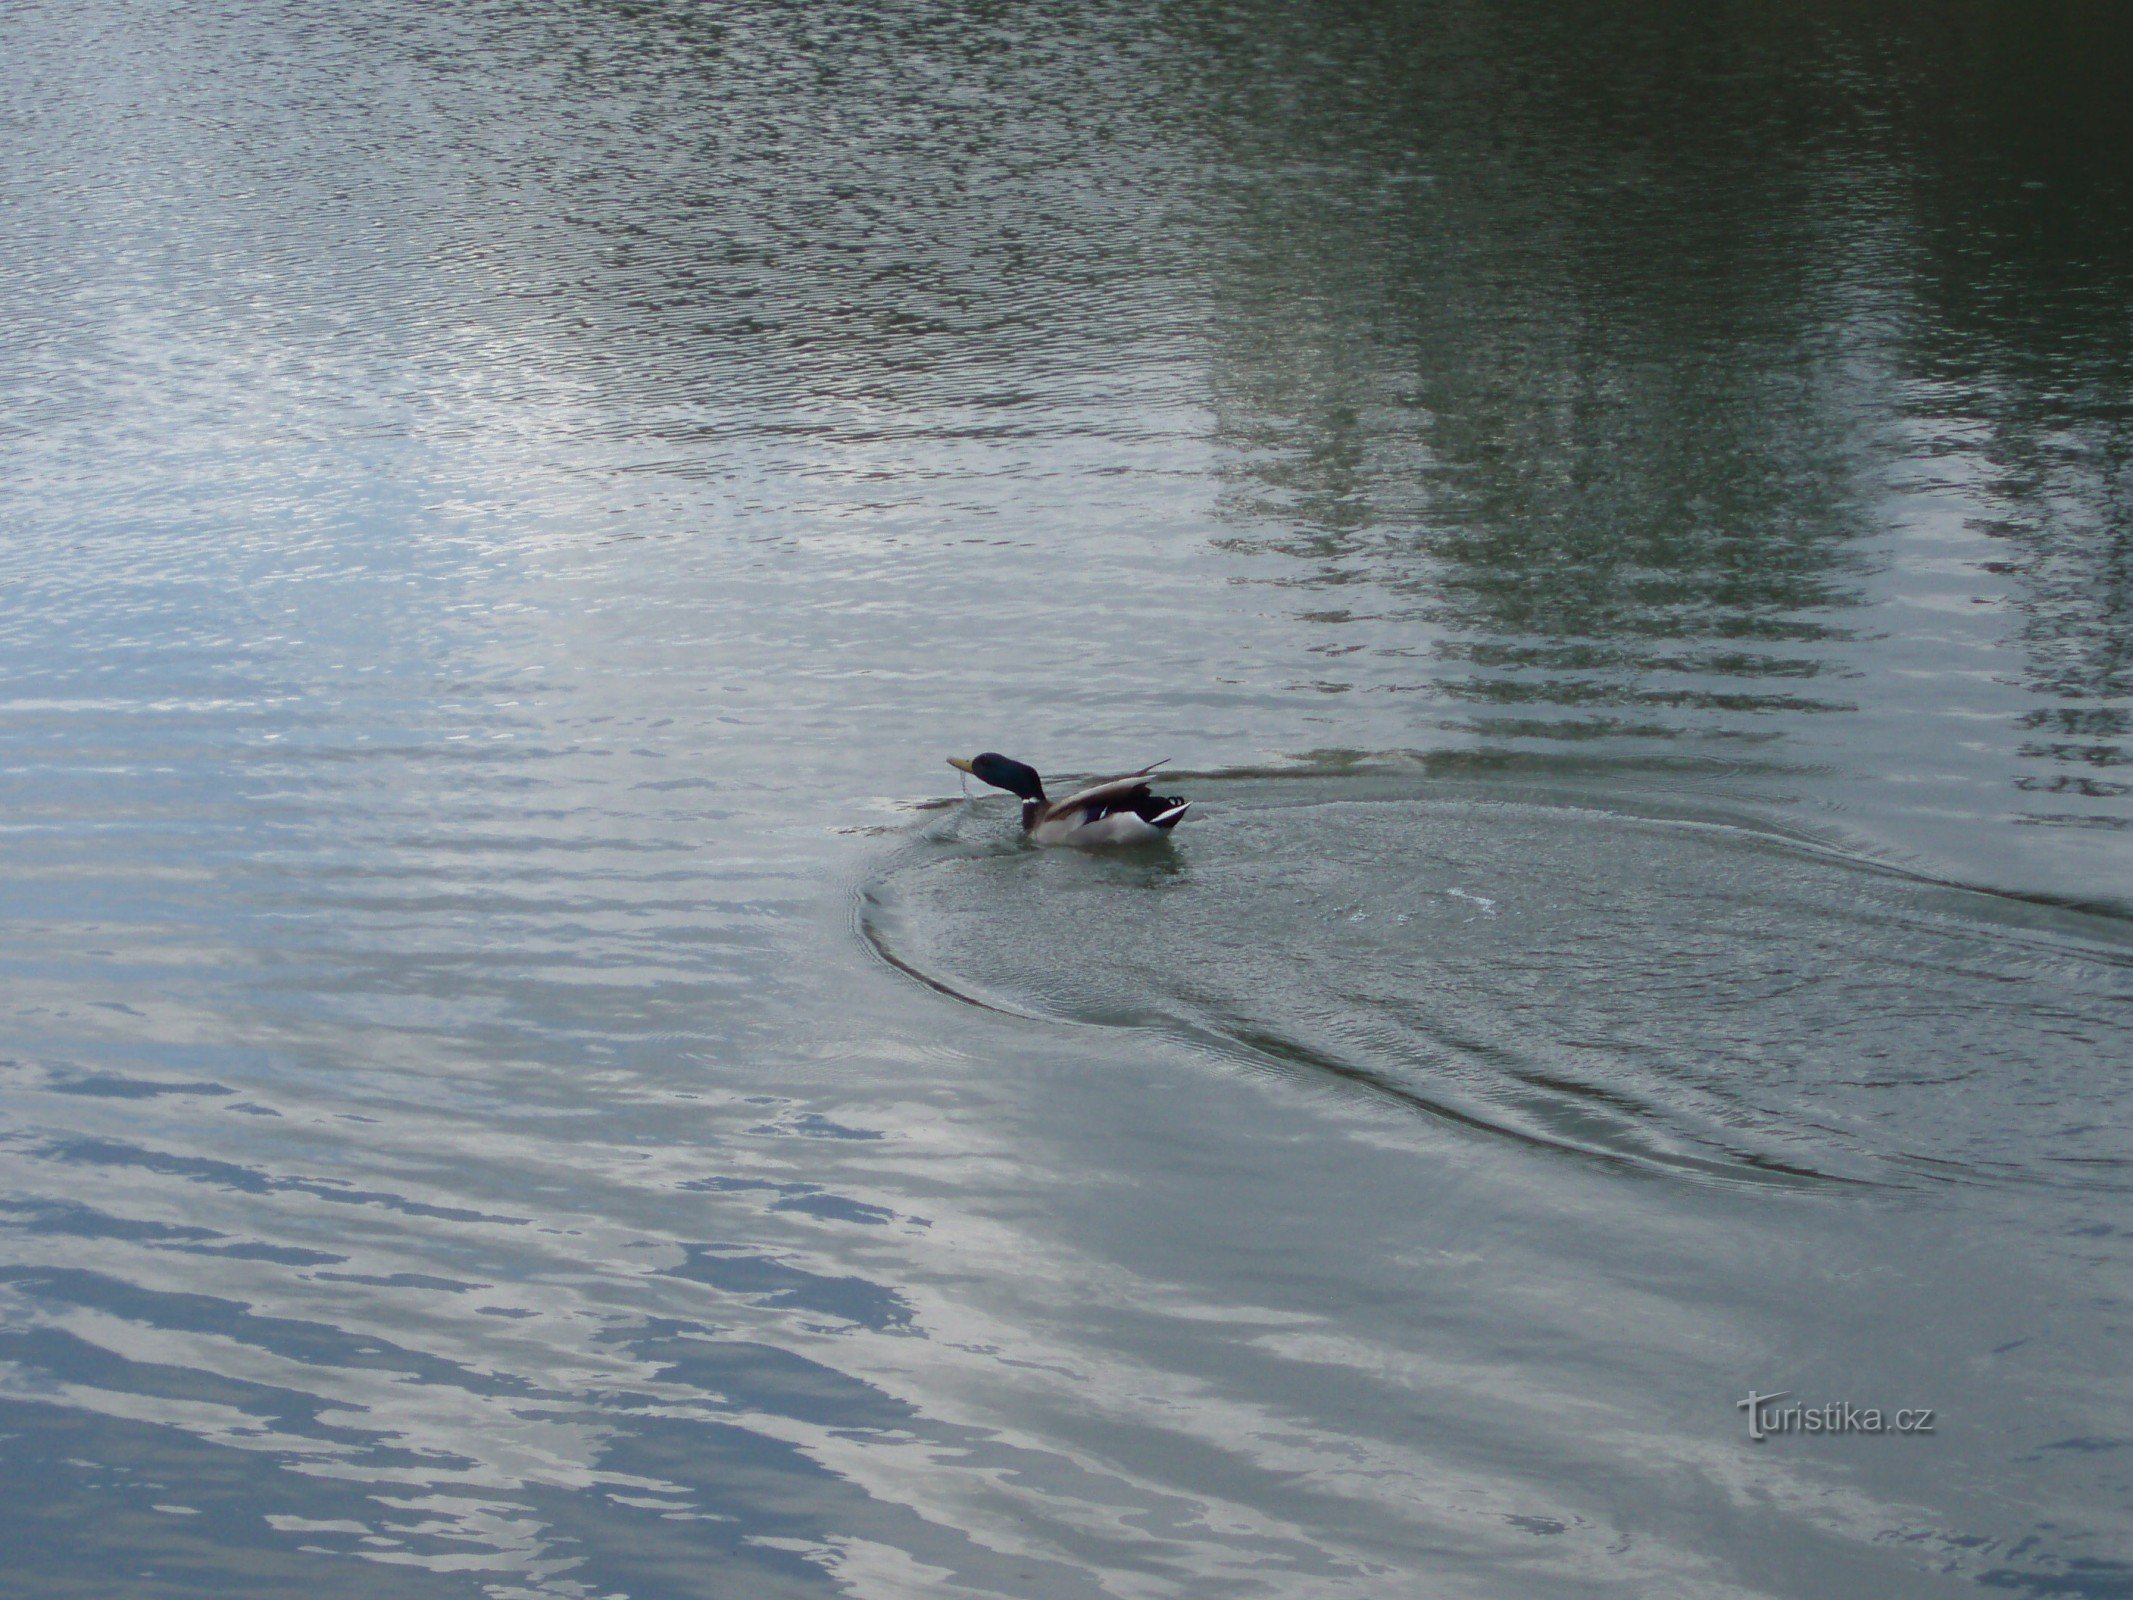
[523,1076]
[1702,996]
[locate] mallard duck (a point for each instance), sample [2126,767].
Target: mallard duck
[1119,810]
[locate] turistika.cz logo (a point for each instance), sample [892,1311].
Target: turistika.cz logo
[1766,1416]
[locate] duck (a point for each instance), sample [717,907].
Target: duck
[1121,810]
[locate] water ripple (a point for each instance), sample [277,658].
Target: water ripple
[1681,992]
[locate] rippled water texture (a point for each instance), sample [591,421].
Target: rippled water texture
[521,1074]
[1682,991]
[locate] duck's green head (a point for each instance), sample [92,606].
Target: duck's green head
[1001,773]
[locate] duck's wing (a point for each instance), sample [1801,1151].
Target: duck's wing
[1110,792]
[1137,817]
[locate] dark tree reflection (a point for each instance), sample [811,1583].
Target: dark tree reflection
[1578,358]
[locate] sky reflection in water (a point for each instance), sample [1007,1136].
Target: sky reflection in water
[507,508]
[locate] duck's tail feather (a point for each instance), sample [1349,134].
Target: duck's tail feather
[1166,814]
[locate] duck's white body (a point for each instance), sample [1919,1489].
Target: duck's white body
[1119,810]
[1101,814]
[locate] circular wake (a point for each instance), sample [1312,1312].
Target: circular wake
[1679,993]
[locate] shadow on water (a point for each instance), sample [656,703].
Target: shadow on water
[1647,983]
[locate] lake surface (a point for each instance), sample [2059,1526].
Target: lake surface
[525,1075]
